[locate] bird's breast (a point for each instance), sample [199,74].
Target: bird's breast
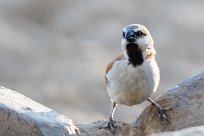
[132,85]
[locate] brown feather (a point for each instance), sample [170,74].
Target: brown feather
[110,65]
[151,54]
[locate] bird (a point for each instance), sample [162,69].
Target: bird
[133,75]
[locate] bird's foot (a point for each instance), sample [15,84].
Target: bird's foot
[110,126]
[161,110]
[162,113]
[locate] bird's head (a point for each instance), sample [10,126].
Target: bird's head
[136,42]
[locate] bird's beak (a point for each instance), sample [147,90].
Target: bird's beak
[130,35]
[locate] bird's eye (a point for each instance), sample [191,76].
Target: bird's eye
[123,34]
[139,33]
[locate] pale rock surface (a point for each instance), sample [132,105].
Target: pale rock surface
[192,131]
[21,116]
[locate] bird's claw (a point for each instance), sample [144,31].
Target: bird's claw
[161,110]
[111,126]
[162,113]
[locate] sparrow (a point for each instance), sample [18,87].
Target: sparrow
[133,75]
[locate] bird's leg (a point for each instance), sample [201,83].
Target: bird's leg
[161,110]
[110,124]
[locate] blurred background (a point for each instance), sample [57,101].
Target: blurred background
[56,51]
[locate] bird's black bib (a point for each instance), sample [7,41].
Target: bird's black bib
[135,54]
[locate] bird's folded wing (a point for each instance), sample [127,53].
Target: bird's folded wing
[120,56]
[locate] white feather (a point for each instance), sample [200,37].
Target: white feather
[130,85]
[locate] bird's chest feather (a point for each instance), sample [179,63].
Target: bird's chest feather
[130,85]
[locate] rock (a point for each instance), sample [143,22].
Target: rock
[21,116]
[192,131]
[97,129]
[186,100]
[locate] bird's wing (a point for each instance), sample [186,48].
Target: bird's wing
[120,56]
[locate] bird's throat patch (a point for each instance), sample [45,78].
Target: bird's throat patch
[135,54]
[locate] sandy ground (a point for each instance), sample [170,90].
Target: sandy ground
[55,52]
